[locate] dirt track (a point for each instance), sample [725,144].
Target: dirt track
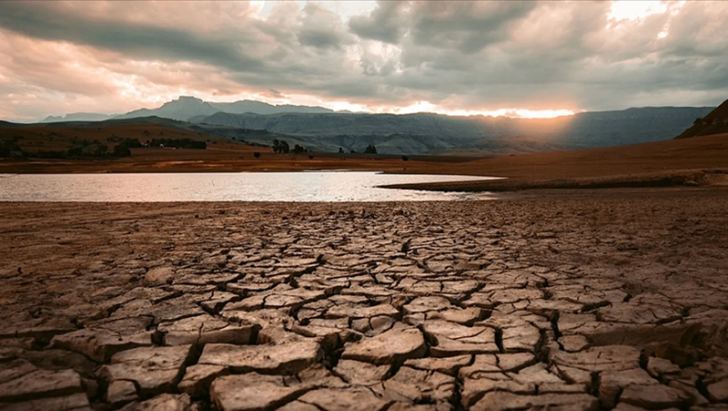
[586,300]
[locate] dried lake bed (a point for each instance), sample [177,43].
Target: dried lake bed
[571,301]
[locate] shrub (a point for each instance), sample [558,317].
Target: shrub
[405,158]
[256,154]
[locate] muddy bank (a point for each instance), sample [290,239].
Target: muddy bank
[686,178]
[584,301]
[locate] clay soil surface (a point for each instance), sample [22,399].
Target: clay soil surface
[598,299]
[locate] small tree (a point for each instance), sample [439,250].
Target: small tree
[298,149]
[405,158]
[281,146]
[370,149]
[276,145]
[256,154]
[310,157]
[341,150]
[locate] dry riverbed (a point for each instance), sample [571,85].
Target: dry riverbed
[596,299]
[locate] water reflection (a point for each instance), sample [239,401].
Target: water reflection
[293,186]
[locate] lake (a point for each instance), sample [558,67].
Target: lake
[290,186]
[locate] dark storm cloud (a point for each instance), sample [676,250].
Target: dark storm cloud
[382,24]
[456,55]
[144,41]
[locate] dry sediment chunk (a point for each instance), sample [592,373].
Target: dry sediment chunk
[352,399]
[288,358]
[164,402]
[102,340]
[653,397]
[121,392]
[719,391]
[392,346]
[417,386]
[611,383]
[154,369]
[356,312]
[573,343]
[361,373]
[205,329]
[21,382]
[449,365]
[253,391]
[73,402]
[450,339]
[503,401]
[198,378]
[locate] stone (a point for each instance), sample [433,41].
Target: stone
[392,346]
[254,391]
[153,369]
[288,358]
[204,329]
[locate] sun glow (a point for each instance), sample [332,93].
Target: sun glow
[635,9]
[427,107]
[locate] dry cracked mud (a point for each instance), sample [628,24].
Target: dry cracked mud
[591,301]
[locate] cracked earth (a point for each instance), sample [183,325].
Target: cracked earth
[593,301]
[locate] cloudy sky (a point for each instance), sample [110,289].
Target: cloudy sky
[493,57]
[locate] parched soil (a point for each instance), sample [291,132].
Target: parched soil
[550,300]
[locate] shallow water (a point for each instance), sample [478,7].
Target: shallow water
[294,186]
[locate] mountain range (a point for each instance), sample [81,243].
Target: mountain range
[321,129]
[186,107]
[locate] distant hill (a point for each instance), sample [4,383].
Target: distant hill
[716,122]
[322,130]
[191,108]
[77,117]
[428,133]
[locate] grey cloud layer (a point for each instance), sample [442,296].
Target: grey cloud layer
[462,55]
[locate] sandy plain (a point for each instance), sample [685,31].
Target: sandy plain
[560,300]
